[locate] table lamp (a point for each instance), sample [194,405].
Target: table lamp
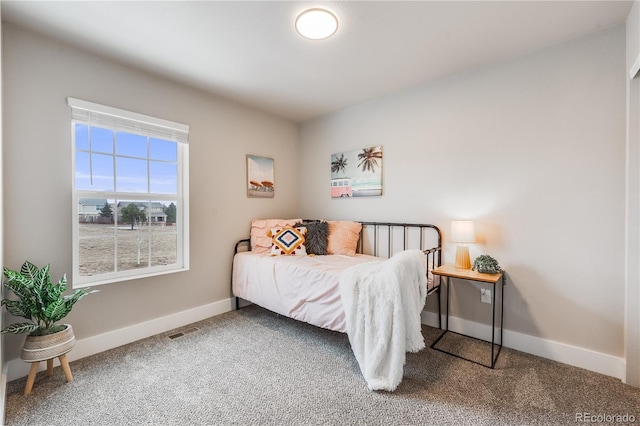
[462,231]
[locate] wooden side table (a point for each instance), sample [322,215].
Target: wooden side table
[451,272]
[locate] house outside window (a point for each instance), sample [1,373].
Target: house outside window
[130,195]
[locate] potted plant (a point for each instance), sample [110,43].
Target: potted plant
[486,265]
[41,302]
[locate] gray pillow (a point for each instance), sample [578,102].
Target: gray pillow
[317,237]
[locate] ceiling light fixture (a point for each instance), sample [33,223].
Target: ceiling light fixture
[316,24]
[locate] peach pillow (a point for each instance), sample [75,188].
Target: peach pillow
[343,237]
[260,241]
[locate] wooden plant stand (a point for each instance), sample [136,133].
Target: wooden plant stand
[34,371]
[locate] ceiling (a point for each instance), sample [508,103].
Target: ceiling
[249,51]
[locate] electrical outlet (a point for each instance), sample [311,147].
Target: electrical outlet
[485,295]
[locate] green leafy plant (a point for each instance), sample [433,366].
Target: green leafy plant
[171,212]
[39,300]
[486,265]
[107,212]
[133,214]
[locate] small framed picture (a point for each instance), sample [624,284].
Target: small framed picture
[260,177]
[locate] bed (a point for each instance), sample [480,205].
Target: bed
[307,287]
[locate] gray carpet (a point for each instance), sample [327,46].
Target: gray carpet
[254,367]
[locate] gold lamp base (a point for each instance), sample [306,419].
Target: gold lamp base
[462,258]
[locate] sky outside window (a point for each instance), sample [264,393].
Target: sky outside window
[142,165]
[160,149]
[102,140]
[131,145]
[82,136]
[161,177]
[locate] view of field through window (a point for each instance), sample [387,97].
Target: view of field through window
[145,246]
[119,229]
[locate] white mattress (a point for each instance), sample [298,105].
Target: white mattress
[305,288]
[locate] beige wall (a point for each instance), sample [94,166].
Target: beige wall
[533,150]
[39,74]
[632,308]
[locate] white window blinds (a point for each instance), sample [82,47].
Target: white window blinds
[132,122]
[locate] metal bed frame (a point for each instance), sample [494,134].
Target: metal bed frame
[382,239]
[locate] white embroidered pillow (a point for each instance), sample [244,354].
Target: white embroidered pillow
[288,241]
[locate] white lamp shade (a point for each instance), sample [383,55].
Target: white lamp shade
[462,231]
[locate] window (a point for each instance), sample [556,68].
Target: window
[130,195]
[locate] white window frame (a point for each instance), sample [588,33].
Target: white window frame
[92,114]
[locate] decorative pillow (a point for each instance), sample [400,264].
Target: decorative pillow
[343,237]
[317,236]
[288,241]
[260,241]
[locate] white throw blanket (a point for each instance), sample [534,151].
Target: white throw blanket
[382,303]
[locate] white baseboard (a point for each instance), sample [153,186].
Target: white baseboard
[112,339]
[3,390]
[555,351]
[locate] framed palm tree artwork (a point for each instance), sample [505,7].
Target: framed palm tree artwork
[357,173]
[260,177]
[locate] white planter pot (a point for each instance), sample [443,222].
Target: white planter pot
[40,348]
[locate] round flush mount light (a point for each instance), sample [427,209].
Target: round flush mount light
[316,24]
